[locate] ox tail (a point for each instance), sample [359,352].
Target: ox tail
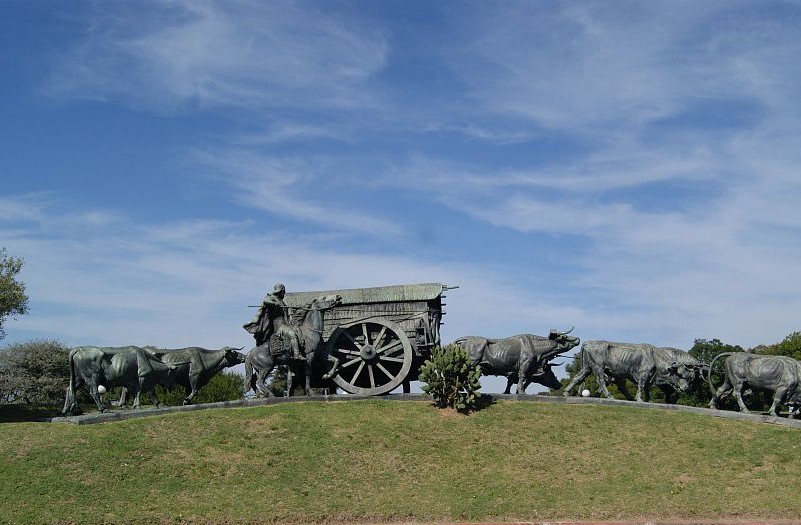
[69,401]
[709,372]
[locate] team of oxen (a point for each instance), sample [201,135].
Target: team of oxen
[522,359]
[525,359]
[139,369]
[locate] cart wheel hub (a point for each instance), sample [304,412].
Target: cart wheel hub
[368,353]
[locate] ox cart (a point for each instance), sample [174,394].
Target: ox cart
[375,339]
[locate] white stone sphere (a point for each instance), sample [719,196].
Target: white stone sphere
[585,393]
[101,389]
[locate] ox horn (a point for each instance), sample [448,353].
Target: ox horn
[560,363]
[565,333]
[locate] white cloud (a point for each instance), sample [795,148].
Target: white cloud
[305,189]
[231,54]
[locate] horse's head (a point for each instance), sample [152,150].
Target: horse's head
[324,302]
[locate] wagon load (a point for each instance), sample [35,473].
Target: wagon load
[376,338]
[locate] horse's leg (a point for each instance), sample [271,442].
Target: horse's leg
[333,370]
[308,368]
[260,383]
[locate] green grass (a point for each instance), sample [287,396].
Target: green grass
[399,461]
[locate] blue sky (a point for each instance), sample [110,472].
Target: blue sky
[630,168]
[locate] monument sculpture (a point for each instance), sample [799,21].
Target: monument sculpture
[778,374]
[523,358]
[644,364]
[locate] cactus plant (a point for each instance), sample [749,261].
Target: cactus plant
[450,379]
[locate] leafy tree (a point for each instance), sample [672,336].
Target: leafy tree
[706,350]
[13,300]
[790,346]
[35,372]
[451,379]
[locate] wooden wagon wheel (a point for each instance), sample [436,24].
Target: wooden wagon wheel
[375,356]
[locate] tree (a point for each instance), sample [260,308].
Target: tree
[451,379]
[790,346]
[706,350]
[13,300]
[34,373]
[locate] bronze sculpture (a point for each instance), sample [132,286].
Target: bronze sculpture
[283,345]
[522,358]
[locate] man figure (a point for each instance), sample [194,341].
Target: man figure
[273,319]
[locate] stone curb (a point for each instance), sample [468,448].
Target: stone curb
[122,415]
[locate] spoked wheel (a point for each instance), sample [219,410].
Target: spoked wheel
[375,356]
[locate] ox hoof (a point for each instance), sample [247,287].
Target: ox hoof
[187,401]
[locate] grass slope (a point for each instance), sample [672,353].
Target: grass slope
[394,461]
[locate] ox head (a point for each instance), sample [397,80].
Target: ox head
[546,377]
[233,356]
[683,376]
[562,341]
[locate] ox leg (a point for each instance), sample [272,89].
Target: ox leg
[671,396]
[137,401]
[509,382]
[581,376]
[289,378]
[601,377]
[621,385]
[778,398]
[96,397]
[738,394]
[523,372]
[643,388]
[123,397]
[71,407]
[724,390]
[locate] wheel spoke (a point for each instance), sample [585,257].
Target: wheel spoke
[356,375]
[346,351]
[381,367]
[364,332]
[393,359]
[397,345]
[377,342]
[351,362]
[372,378]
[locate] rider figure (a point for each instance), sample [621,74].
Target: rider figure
[273,319]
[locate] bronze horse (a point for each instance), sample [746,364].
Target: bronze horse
[262,359]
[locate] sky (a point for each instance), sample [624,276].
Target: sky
[627,168]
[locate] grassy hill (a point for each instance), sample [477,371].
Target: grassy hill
[374,460]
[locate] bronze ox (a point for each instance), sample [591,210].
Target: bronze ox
[194,367]
[522,358]
[778,374]
[128,366]
[670,369]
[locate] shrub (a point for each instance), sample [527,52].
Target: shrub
[35,372]
[451,379]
